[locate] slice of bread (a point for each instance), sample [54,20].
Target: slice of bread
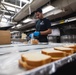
[25,65]
[70,46]
[35,59]
[68,51]
[34,41]
[55,55]
[56,58]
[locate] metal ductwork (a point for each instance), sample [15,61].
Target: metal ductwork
[24,27]
[25,10]
[0,1]
[65,3]
[68,7]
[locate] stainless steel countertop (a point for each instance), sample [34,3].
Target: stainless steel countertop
[10,54]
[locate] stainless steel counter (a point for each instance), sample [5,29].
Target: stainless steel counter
[10,54]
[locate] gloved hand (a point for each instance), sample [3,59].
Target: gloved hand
[36,33]
[31,35]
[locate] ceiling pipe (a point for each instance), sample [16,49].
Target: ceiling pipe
[8,4]
[25,10]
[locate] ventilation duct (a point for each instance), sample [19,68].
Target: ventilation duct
[29,25]
[67,5]
[25,10]
[62,4]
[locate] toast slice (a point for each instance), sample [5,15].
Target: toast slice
[55,55]
[36,59]
[25,65]
[68,51]
[71,46]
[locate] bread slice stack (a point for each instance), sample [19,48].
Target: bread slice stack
[55,55]
[68,51]
[33,60]
[70,46]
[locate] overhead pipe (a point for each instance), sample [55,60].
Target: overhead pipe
[25,10]
[62,4]
[8,4]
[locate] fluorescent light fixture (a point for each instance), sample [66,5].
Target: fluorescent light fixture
[72,19]
[11,5]
[66,20]
[30,30]
[6,11]
[57,11]
[12,22]
[7,16]
[10,8]
[19,25]
[13,27]
[4,20]
[14,32]
[53,24]
[27,30]
[47,9]
[26,1]
[33,29]
[27,20]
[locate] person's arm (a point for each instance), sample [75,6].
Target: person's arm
[48,31]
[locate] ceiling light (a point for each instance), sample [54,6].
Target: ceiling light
[72,19]
[33,29]
[4,20]
[13,27]
[57,11]
[26,1]
[10,8]
[19,25]
[27,20]
[14,32]
[7,16]
[47,9]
